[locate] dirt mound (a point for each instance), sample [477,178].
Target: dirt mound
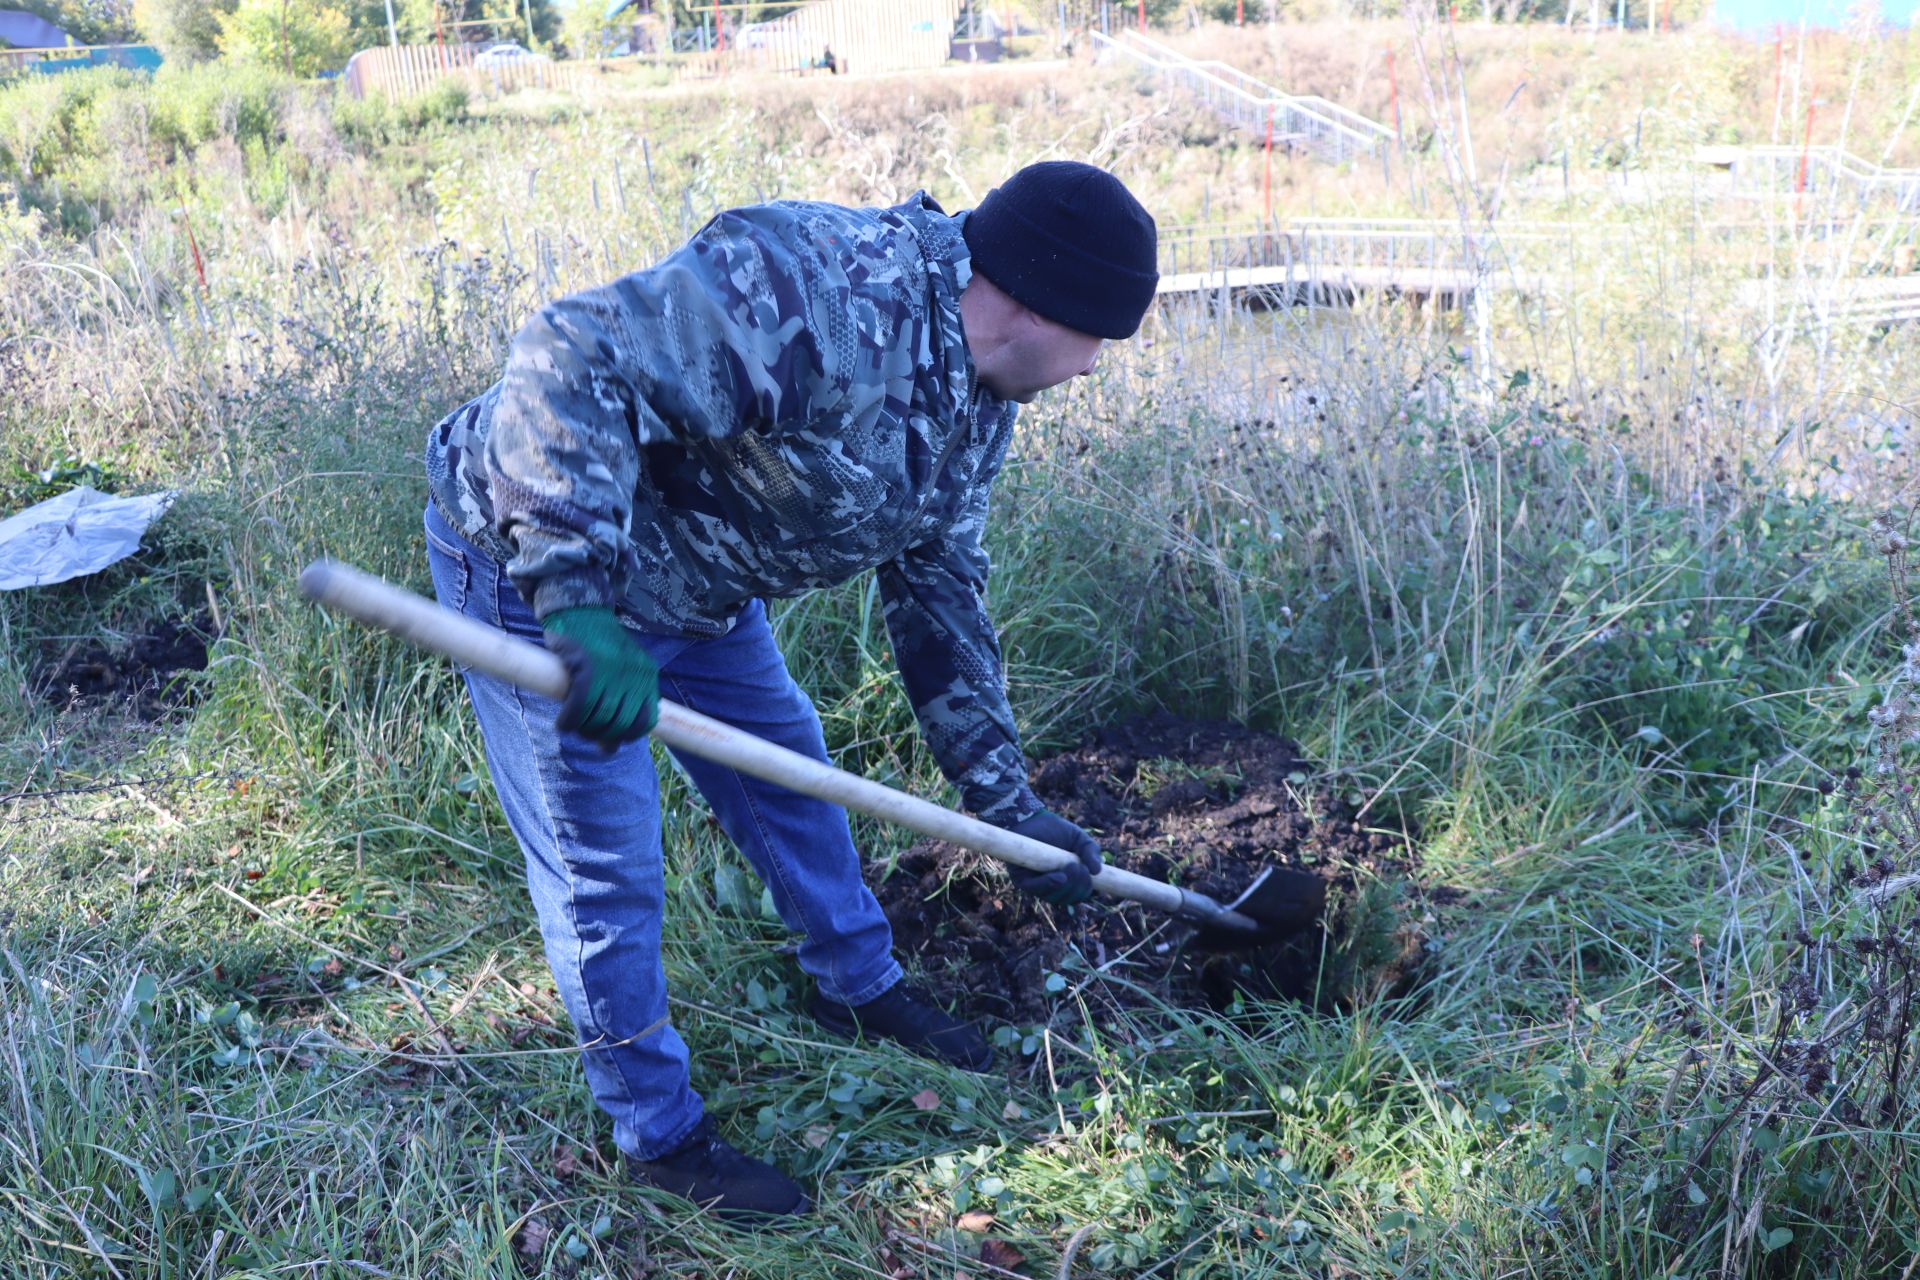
[1204,805]
[139,673]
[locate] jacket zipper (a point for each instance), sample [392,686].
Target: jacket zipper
[967,430]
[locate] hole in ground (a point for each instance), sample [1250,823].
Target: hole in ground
[137,673]
[1205,805]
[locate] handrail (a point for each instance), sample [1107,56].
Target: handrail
[1166,56]
[1867,177]
[1325,106]
[1260,88]
[1437,244]
[1444,259]
[1227,71]
[1250,112]
[1831,153]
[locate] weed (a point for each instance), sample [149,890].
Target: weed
[1155,775]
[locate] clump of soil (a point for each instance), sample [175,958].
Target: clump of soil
[1205,805]
[139,673]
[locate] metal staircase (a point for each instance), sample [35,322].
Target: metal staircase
[1325,128]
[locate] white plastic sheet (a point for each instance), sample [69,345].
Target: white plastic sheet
[79,532]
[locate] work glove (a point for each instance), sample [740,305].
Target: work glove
[613,691]
[1071,883]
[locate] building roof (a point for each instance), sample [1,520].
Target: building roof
[29,31]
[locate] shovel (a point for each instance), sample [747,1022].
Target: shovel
[1277,904]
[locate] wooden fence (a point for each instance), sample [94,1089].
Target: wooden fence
[857,35]
[402,71]
[826,36]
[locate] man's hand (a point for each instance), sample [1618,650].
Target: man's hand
[1071,883]
[614,692]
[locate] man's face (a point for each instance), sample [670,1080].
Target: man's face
[1043,353]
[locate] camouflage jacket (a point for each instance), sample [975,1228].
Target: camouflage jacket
[783,402]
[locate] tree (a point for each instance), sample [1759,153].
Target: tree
[587,27]
[413,20]
[302,37]
[508,19]
[183,30]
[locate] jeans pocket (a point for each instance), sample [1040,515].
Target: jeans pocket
[448,565]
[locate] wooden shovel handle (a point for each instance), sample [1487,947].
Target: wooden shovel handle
[438,629]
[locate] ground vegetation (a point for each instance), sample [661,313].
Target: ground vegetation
[1571,631]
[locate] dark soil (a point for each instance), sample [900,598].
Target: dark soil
[138,674]
[1206,805]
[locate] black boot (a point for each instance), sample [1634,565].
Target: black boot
[907,1017]
[707,1170]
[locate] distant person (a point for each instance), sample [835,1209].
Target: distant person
[828,61]
[801,393]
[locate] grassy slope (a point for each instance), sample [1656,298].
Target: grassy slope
[1532,88]
[1601,672]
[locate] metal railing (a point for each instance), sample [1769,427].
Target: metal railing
[1776,168]
[1364,126]
[1843,270]
[1830,246]
[1311,123]
[1215,247]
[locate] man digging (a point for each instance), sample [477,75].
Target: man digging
[800,393]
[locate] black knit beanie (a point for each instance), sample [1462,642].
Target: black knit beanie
[1068,241]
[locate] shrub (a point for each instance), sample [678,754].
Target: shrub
[29,114]
[43,118]
[380,120]
[445,103]
[50,124]
[220,99]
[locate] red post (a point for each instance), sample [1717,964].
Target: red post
[199,267]
[1269,177]
[1666,16]
[1143,16]
[1239,13]
[719,32]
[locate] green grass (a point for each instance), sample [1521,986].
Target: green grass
[273,1002]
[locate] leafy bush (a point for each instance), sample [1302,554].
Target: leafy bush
[378,120]
[41,117]
[1688,641]
[445,103]
[83,144]
[29,109]
[219,99]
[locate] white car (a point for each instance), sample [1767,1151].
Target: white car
[506,54]
[773,34]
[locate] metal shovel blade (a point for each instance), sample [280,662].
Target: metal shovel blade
[1281,901]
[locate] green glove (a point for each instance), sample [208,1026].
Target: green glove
[614,692]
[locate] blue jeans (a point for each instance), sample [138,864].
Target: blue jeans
[589,825]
